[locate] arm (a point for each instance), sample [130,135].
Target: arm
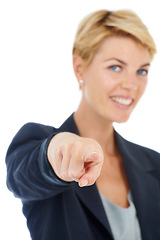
[29,174]
[32,177]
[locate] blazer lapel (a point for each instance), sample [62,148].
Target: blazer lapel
[89,196]
[144,187]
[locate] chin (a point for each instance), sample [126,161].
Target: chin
[122,120]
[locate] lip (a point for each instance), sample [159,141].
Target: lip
[122,102]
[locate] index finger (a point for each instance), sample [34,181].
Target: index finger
[92,167]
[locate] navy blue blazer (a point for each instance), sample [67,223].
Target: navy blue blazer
[57,210]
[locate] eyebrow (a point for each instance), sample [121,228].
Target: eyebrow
[116,60]
[124,63]
[146,65]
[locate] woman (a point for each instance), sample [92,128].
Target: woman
[83,180]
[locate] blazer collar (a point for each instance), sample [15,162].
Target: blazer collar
[144,187]
[90,198]
[143,183]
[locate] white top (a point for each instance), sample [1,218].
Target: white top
[123,221]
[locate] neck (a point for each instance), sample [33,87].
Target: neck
[92,126]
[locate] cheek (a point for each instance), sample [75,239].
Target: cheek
[143,87]
[99,85]
[92,91]
[95,91]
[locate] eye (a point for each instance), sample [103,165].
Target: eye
[142,72]
[115,68]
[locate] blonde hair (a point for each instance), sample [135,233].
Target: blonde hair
[101,24]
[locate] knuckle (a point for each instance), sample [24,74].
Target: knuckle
[77,146]
[91,182]
[68,146]
[73,174]
[64,174]
[57,153]
[92,179]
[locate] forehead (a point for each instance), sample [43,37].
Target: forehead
[124,47]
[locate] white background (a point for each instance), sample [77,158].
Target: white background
[37,83]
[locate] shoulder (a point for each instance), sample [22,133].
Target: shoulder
[34,131]
[30,134]
[149,157]
[134,146]
[147,152]
[137,151]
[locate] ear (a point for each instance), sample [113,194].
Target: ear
[78,64]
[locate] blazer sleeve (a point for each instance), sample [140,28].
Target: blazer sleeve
[29,174]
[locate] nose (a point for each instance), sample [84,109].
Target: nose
[129,82]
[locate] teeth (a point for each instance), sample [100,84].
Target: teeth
[122,101]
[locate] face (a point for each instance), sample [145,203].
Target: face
[116,79]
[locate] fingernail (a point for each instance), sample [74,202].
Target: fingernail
[94,154]
[84,183]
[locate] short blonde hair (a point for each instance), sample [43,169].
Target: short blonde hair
[101,24]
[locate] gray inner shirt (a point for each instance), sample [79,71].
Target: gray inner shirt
[123,221]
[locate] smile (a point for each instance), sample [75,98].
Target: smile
[123,101]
